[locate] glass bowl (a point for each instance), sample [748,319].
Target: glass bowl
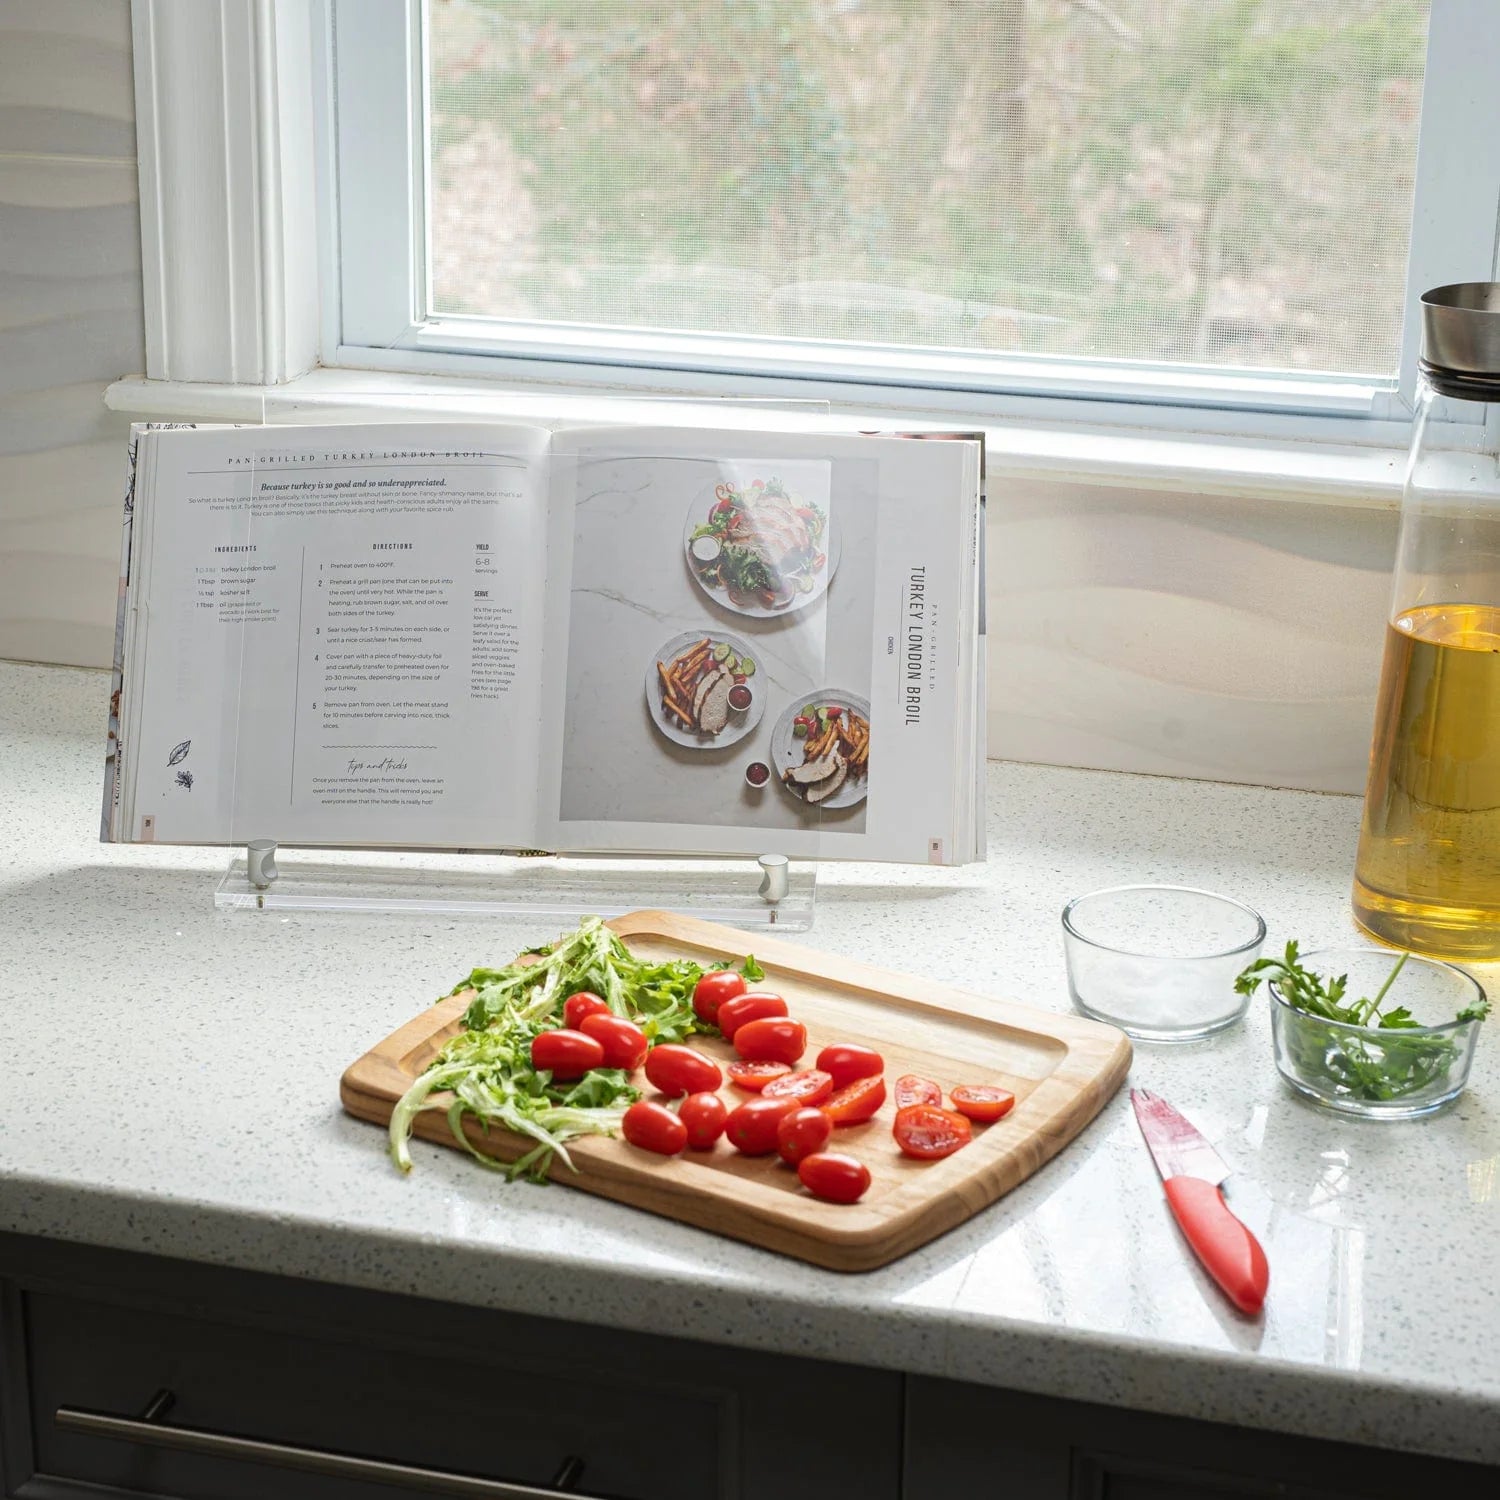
[1159,961]
[1374,1072]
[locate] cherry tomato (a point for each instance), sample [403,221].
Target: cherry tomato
[565,1054]
[752,1007]
[713,990]
[854,1104]
[830,1175]
[847,1062]
[927,1132]
[754,1076]
[584,1003]
[810,1086]
[801,1133]
[771,1039]
[653,1127]
[751,1127]
[703,1115]
[980,1101]
[913,1090]
[678,1070]
[624,1042]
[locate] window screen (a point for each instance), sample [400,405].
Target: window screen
[1223,182]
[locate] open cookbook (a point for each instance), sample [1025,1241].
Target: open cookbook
[462,635]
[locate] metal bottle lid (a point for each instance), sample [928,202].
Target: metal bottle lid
[1461,339]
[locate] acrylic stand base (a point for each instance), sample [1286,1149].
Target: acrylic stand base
[743,892]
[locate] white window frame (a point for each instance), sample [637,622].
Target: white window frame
[248,191]
[378,317]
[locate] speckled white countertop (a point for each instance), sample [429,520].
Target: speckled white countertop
[168,1083]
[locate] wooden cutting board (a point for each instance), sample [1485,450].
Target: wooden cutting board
[1061,1068]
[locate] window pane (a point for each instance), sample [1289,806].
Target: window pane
[1211,181]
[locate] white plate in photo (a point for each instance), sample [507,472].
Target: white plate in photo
[786,748]
[738,723]
[703,568]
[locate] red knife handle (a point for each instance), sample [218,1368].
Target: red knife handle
[1229,1252]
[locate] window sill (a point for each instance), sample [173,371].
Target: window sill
[1082,453]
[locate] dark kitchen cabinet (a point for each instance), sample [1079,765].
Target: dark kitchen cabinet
[981,1444]
[200,1377]
[327,1373]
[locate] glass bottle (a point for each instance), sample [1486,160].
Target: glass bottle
[1427,876]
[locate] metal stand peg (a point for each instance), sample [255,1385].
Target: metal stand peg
[776,881]
[260,863]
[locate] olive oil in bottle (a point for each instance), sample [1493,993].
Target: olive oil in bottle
[1428,871]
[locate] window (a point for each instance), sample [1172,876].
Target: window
[1212,203]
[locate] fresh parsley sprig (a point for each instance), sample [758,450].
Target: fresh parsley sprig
[1363,1063]
[1325,997]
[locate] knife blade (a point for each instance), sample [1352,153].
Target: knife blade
[1191,1171]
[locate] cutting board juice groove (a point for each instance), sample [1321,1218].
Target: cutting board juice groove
[1062,1069]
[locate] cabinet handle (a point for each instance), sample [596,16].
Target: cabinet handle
[152,1433]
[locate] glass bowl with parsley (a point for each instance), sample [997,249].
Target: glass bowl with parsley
[1369,1032]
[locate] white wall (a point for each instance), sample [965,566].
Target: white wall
[70,320]
[1186,635]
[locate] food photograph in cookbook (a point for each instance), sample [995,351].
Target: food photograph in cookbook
[820,750]
[703,691]
[761,548]
[712,601]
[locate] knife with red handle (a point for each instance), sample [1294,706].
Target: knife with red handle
[1191,1172]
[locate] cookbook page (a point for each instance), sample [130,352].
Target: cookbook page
[752,643]
[336,640]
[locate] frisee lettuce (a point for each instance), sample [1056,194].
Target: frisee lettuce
[485,1070]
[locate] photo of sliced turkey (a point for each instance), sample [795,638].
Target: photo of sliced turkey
[811,771]
[817,780]
[821,791]
[711,701]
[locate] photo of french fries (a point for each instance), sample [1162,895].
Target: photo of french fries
[849,734]
[702,690]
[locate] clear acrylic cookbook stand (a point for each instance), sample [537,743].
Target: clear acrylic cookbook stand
[768,890]
[771,891]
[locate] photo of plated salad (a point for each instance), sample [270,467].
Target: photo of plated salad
[703,690]
[820,749]
[758,548]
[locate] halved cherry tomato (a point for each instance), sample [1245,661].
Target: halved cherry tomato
[653,1127]
[565,1054]
[584,1003]
[831,1175]
[847,1062]
[678,1070]
[801,1133]
[752,1077]
[927,1132]
[911,1089]
[771,1039]
[624,1042]
[712,991]
[752,1007]
[982,1102]
[704,1115]
[855,1104]
[751,1127]
[810,1086]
